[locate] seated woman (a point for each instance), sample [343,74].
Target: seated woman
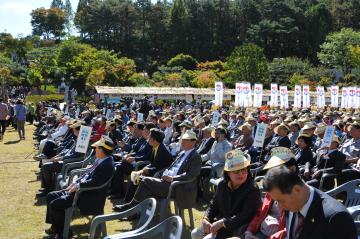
[303,154]
[269,222]
[235,203]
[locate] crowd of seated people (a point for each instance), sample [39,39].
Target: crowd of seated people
[181,142]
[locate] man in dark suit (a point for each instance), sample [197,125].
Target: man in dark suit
[141,151]
[310,213]
[207,140]
[186,167]
[89,202]
[160,159]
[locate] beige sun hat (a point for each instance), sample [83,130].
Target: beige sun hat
[104,141]
[189,134]
[320,128]
[279,156]
[236,160]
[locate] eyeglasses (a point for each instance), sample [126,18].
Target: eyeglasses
[242,171]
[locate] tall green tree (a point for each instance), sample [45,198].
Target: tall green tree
[57,4]
[247,63]
[48,22]
[178,28]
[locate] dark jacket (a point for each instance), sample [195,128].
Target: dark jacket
[162,160]
[334,164]
[92,202]
[304,156]
[190,169]
[327,219]
[278,141]
[237,207]
[204,148]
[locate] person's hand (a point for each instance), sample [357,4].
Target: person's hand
[206,226]
[72,189]
[358,164]
[145,172]
[216,226]
[130,159]
[121,143]
[316,174]
[167,178]
[307,173]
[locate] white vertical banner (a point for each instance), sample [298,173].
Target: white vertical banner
[284,97]
[258,93]
[219,90]
[320,99]
[260,135]
[344,97]
[239,99]
[306,96]
[334,96]
[247,94]
[352,97]
[274,95]
[83,139]
[358,98]
[297,96]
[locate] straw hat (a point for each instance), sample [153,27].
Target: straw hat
[320,129]
[105,141]
[279,156]
[189,134]
[236,160]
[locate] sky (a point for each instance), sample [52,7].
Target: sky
[15,14]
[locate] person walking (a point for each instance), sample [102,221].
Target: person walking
[20,116]
[4,113]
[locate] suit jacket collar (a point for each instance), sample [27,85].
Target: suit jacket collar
[185,161]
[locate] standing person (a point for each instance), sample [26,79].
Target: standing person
[31,112]
[4,112]
[20,116]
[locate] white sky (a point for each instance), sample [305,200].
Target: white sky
[15,14]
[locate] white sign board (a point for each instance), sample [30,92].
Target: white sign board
[335,96]
[83,139]
[328,136]
[260,135]
[274,95]
[297,96]
[306,96]
[140,117]
[215,118]
[258,92]
[284,97]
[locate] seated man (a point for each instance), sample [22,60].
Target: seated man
[89,202]
[185,167]
[55,164]
[159,160]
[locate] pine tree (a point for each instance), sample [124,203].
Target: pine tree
[57,4]
[69,15]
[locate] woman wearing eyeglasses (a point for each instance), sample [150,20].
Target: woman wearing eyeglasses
[235,202]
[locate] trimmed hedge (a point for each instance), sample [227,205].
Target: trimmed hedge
[36,98]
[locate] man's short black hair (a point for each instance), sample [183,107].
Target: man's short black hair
[149,125]
[157,135]
[282,178]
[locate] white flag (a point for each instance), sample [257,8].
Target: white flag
[258,92]
[297,96]
[219,93]
[247,94]
[344,97]
[352,97]
[320,99]
[284,97]
[335,96]
[306,96]
[239,96]
[274,95]
[358,98]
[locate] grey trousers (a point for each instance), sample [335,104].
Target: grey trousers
[21,128]
[151,187]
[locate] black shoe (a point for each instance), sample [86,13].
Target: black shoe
[115,196]
[50,231]
[123,207]
[42,194]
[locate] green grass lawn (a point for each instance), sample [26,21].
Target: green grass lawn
[21,214]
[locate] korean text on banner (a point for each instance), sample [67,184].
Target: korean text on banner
[274,95]
[306,96]
[284,97]
[334,96]
[219,93]
[83,139]
[297,96]
[328,136]
[140,117]
[260,135]
[258,93]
